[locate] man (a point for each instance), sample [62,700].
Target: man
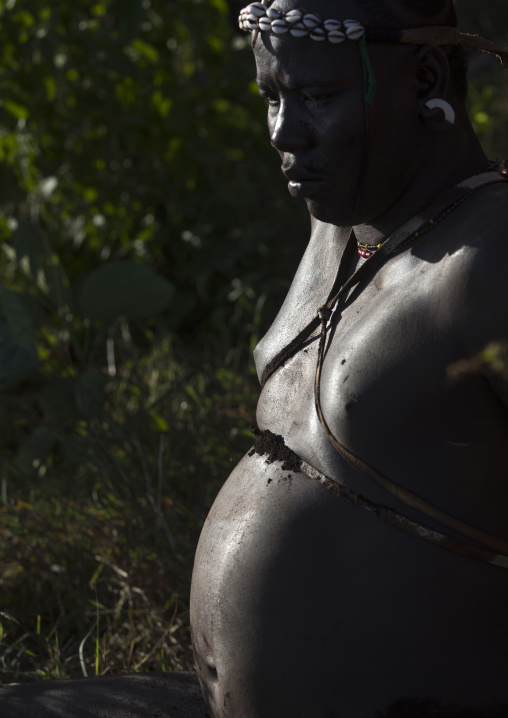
[357,566]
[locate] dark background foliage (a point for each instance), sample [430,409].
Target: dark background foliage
[147,240]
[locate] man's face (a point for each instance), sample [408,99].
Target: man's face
[317,123]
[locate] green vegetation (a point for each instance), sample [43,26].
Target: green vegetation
[142,255]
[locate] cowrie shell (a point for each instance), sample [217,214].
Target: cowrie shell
[294,16]
[279,27]
[318,34]
[355,32]
[250,25]
[265,24]
[252,18]
[311,21]
[347,23]
[336,37]
[273,13]
[256,9]
[299,31]
[330,25]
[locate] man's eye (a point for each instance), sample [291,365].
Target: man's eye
[318,98]
[271,100]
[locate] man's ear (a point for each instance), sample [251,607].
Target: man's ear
[433,82]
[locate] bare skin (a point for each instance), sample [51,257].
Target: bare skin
[303,605]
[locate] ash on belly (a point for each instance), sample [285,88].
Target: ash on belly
[274,448]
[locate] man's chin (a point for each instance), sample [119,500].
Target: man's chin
[336,214]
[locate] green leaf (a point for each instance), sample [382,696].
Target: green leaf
[73,449]
[35,248]
[19,320]
[50,87]
[130,14]
[159,423]
[18,111]
[147,51]
[221,6]
[57,401]
[56,279]
[89,393]
[124,288]
[28,243]
[34,451]
[16,363]
[183,305]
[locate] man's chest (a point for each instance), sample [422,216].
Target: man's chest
[386,388]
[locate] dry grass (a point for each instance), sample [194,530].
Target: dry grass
[95,564]
[77,600]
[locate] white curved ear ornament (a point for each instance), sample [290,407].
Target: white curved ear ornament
[448,110]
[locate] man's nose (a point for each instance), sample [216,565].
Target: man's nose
[288,131]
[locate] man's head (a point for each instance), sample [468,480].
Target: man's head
[416,12]
[317,117]
[423,13]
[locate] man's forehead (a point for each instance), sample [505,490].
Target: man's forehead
[294,62]
[294,70]
[297,61]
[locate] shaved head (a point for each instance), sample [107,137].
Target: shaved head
[415,13]
[397,14]
[411,13]
[419,13]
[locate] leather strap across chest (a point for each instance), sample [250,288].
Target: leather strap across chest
[489,548]
[397,242]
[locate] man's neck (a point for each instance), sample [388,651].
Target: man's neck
[439,174]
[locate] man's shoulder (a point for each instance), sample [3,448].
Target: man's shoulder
[485,224]
[473,245]
[461,268]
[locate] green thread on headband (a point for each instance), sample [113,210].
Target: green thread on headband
[369,81]
[369,91]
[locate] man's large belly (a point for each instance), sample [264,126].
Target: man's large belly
[305,606]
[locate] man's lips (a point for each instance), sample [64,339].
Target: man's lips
[302,183]
[295,174]
[304,187]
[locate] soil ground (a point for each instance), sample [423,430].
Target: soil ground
[160,695]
